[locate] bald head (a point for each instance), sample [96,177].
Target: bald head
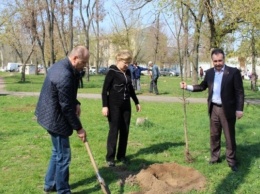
[150,63]
[79,57]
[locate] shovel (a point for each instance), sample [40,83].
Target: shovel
[101,181]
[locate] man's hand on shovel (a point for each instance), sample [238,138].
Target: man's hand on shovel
[82,134]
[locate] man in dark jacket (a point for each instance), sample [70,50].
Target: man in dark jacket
[58,111]
[137,76]
[131,67]
[225,105]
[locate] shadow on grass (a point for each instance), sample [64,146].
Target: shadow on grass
[85,182]
[122,172]
[156,148]
[234,179]
[163,93]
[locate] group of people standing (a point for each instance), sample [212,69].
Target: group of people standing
[58,110]
[136,72]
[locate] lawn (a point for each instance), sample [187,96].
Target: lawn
[25,146]
[168,86]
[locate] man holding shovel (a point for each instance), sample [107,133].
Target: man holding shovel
[58,112]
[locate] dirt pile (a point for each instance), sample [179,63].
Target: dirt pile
[168,178]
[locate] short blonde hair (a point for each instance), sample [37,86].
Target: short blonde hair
[124,55]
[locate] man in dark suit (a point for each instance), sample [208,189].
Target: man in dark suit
[225,105]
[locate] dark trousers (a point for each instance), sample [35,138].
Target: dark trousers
[218,121]
[81,82]
[119,121]
[153,86]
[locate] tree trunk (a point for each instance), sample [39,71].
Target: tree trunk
[97,36]
[50,16]
[157,37]
[186,64]
[86,26]
[71,8]
[254,53]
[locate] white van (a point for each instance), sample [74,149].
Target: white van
[92,71]
[13,67]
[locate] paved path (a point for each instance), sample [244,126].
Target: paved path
[157,98]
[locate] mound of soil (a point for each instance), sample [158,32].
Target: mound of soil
[168,178]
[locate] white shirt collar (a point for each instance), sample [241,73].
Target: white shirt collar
[222,69]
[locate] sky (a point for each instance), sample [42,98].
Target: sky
[147,13]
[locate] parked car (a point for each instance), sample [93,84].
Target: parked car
[174,73]
[92,71]
[169,72]
[103,70]
[164,72]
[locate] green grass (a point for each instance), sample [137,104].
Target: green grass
[25,146]
[168,86]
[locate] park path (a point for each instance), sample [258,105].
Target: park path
[157,98]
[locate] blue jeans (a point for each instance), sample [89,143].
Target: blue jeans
[57,176]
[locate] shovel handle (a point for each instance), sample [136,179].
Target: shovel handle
[91,157]
[101,181]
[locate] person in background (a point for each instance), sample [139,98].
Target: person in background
[225,105]
[137,76]
[154,77]
[116,94]
[253,79]
[58,111]
[81,75]
[131,67]
[201,73]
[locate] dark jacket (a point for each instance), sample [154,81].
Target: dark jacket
[131,67]
[117,87]
[137,72]
[232,91]
[56,108]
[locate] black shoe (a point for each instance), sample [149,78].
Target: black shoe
[52,190]
[214,162]
[111,163]
[234,168]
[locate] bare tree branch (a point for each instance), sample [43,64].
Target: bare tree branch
[146,2]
